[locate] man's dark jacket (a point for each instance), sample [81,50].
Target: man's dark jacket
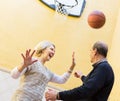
[96,86]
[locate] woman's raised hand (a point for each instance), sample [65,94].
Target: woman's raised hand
[73,63]
[27,58]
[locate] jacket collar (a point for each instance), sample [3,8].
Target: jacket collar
[102,60]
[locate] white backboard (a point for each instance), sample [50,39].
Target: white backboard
[73,7]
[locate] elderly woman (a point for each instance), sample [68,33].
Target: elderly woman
[35,75]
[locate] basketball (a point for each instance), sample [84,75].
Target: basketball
[96,19]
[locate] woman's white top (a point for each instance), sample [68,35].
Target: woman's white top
[34,80]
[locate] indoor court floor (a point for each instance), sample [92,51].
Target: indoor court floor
[7,85]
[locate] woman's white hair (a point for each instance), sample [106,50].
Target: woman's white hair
[41,46]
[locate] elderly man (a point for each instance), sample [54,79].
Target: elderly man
[96,85]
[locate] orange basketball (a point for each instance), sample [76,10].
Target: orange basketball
[96,19]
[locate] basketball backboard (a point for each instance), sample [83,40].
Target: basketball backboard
[67,7]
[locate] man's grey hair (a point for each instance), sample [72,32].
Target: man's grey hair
[101,47]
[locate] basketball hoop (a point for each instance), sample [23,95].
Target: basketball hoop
[62,8]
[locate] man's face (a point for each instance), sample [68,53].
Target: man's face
[92,55]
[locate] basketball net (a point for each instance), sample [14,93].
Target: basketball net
[63,8]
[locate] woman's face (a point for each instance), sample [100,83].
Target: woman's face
[49,52]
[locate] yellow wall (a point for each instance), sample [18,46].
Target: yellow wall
[115,61]
[23,23]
